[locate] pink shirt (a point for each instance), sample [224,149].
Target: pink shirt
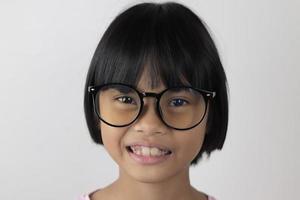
[86,197]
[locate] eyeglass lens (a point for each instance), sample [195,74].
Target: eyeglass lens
[181,108]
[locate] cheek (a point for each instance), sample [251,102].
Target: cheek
[191,142]
[112,139]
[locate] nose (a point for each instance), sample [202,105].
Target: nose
[149,121]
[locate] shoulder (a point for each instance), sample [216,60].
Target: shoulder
[84,197]
[211,198]
[96,194]
[99,193]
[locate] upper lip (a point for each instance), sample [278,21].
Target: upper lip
[149,144]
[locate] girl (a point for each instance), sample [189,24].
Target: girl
[156,98]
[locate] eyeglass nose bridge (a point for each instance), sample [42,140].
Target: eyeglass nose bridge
[151,94]
[157,97]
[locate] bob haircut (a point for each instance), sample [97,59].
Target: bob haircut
[170,43]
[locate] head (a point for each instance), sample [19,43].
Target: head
[155,46]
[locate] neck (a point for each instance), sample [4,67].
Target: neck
[176,187]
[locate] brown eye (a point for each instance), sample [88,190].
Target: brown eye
[126,100]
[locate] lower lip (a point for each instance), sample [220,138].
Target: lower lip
[148,160]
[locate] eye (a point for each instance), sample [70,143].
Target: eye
[126,100]
[178,102]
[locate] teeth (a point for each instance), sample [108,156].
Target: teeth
[155,152]
[148,151]
[138,151]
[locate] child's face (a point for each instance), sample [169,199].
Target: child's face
[148,128]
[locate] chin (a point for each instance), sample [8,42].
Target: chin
[152,175]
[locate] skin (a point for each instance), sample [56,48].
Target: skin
[168,180]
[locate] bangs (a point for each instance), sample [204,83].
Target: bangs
[165,45]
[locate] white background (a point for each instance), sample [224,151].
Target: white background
[45,49]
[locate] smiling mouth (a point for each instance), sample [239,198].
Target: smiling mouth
[148,151]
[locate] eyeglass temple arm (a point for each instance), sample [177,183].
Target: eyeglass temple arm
[210,94]
[91,89]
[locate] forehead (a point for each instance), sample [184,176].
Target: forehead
[146,83]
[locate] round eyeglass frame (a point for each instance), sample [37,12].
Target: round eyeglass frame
[207,95]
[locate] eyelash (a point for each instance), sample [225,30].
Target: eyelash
[121,99]
[124,99]
[182,100]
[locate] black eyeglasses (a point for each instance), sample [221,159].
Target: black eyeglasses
[180,108]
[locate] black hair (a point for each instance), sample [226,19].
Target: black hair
[171,43]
